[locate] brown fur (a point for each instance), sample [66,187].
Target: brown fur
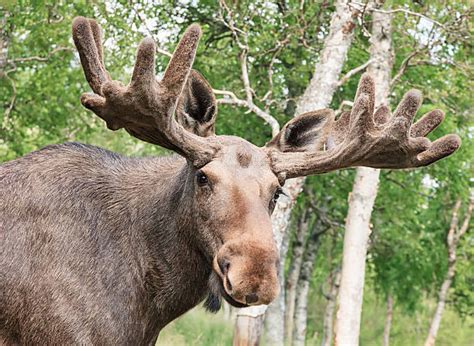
[244,159]
[99,248]
[96,248]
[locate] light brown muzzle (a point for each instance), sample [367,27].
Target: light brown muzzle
[249,271]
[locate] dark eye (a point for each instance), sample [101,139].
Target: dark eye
[201,178]
[275,197]
[277,194]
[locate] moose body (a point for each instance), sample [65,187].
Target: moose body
[96,248]
[102,249]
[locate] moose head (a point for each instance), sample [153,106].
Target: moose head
[234,184]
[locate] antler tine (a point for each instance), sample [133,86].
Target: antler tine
[427,123]
[87,38]
[366,87]
[405,113]
[97,34]
[361,116]
[179,67]
[145,108]
[381,116]
[365,138]
[144,70]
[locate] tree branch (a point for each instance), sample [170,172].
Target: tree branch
[403,67]
[244,48]
[354,71]
[453,225]
[342,105]
[8,110]
[358,5]
[275,126]
[455,234]
[467,218]
[267,98]
[150,32]
[40,58]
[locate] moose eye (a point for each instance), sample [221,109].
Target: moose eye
[277,194]
[201,178]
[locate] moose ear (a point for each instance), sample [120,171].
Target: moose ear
[306,132]
[197,106]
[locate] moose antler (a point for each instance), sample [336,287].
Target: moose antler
[362,138]
[146,108]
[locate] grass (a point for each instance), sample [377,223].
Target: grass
[198,327]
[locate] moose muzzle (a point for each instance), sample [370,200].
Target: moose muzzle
[249,271]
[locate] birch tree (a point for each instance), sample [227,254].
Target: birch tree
[335,280]
[363,196]
[317,95]
[455,233]
[294,271]
[301,304]
[388,321]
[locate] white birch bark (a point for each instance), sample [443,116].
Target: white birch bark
[330,308]
[317,95]
[362,198]
[454,235]
[247,331]
[293,274]
[302,290]
[388,321]
[4,40]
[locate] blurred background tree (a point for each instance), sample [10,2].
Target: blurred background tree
[40,83]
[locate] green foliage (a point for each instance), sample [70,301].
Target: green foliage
[41,83]
[200,328]
[43,80]
[411,329]
[413,209]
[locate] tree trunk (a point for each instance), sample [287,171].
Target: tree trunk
[301,305]
[388,321]
[362,198]
[251,318]
[328,323]
[317,95]
[443,293]
[294,273]
[274,319]
[245,333]
[4,40]
[453,239]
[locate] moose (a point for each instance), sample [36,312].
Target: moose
[97,248]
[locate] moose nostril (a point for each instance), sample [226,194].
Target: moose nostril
[251,298]
[224,266]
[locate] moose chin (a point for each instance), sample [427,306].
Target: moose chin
[98,248]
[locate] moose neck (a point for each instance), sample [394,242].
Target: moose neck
[162,195]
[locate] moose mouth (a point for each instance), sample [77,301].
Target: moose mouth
[231,300]
[217,292]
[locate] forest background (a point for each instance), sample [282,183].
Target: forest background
[280,44]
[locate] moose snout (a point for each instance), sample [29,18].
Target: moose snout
[248,272]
